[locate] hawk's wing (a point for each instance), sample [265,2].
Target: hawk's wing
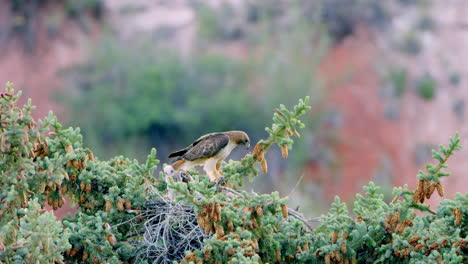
[206,146]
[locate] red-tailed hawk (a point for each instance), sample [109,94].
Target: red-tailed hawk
[209,150]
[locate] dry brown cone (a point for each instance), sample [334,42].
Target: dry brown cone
[204,211]
[82,186]
[259,211]
[278,255]
[73,177]
[462,244]
[419,247]
[207,255]
[219,231]
[201,221]
[395,219]
[406,252]
[120,205]
[24,200]
[218,212]
[88,188]
[345,236]
[387,222]
[95,260]
[296,133]
[433,246]
[90,205]
[76,164]
[73,252]
[414,240]
[128,204]
[210,210]
[85,256]
[230,226]
[337,256]
[431,190]
[408,222]
[82,199]
[108,206]
[63,189]
[344,249]
[208,228]
[231,252]
[254,223]
[444,243]
[91,156]
[284,151]
[327,259]
[396,252]
[284,210]
[418,196]
[258,152]
[264,166]
[61,202]
[400,227]
[426,187]
[440,189]
[334,237]
[359,219]
[190,257]
[458,216]
[306,247]
[111,238]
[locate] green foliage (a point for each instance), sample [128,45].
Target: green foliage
[248,228]
[42,163]
[426,87]
[434,173]
[39,237]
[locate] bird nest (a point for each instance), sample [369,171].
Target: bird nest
[169,230]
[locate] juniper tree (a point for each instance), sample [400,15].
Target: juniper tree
[120,204]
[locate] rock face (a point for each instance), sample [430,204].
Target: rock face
[36,72]
[388,140]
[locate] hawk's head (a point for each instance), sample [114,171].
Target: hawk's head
[239,137]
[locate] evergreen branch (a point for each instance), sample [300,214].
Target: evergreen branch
[291,212]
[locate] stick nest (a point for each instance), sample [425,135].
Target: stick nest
[168,231]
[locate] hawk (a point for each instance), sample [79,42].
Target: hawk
[209,150]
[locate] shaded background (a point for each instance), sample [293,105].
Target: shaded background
[386,78]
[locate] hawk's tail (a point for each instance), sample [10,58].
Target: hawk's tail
[176,165]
